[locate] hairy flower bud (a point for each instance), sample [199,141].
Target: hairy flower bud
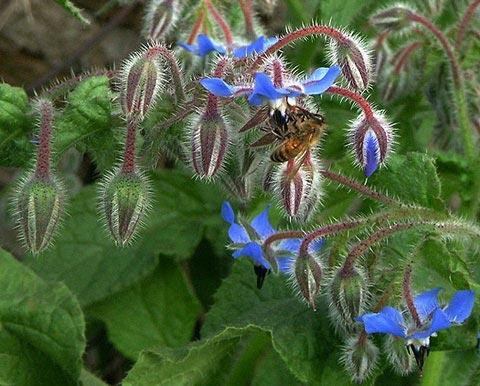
[348,295]
[299,187]
[141,79]
[209,143]
[160,18]
[395,18]
[359,357]
[307,276]
[125,199]
[39,204]
[398,356]
[353,58]
[371,141]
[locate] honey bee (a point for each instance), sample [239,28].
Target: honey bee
[297,130]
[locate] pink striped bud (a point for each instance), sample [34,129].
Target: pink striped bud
[353,57]
[371,140]
[209,142]
[141,79]
[307,278]
[299,186]
[395,18]
[160,18]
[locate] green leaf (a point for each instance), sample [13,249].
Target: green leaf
[302,337]
[42,329]
[161,310]
[15,127]
[85,258]
[88,379]
[342,13]
[411,178]
[452,368]
[201,362]
[73,10]
[87,122]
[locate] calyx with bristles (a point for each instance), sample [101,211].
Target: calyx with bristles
[359,357]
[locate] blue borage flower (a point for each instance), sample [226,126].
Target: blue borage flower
[247,240]
[205,45]
[264,90]
[433,318]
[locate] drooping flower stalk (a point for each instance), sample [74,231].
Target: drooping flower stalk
[196,27]
[465,23]
[407,294]
[128,162]
[221,22]
[247,10]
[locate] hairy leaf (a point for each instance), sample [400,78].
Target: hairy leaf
[42,328]
[161,310]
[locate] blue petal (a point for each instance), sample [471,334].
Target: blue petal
[317,245]
[258,46]
[388,321]
[264,89]
[371,151]
[254,251]
[262,225]
[460,306]
[320,80]
[218,87]
[227,212]
[238,234]
[285,264]
[426,302]
[207,45]
[292,245]
[439,322]
[189,47]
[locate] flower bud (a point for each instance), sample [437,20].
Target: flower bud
[141,79]
[395,18]
[398,356]
[160,18]
[371,141]
[348,294]
[125,201]
[39,204]
[298,187]
[308,273]
[353,58]
[359,357]
[209,143]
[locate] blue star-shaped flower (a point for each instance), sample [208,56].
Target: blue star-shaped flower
[433,318]
[204,46]
[249,242]
[256,47]
[371,153]
[264,90]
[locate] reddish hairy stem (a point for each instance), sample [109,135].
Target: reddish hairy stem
[128,165]
[247,9]
[42,169]
[221,22]
[300,34]
[465,23]
[407,293]
[282,236]
[327,230]
[404,55]
[196,27]
[442,39]
[277,73]
[359,249]
[362,189]
[359,100]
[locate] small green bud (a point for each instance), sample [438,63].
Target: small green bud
[348,294]
[398,356]
[359,357]
[39,204]
[125,200]
[308,273]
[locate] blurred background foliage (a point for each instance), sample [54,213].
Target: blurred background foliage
[174,292]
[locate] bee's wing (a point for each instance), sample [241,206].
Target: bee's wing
[259,117]
[267,139]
